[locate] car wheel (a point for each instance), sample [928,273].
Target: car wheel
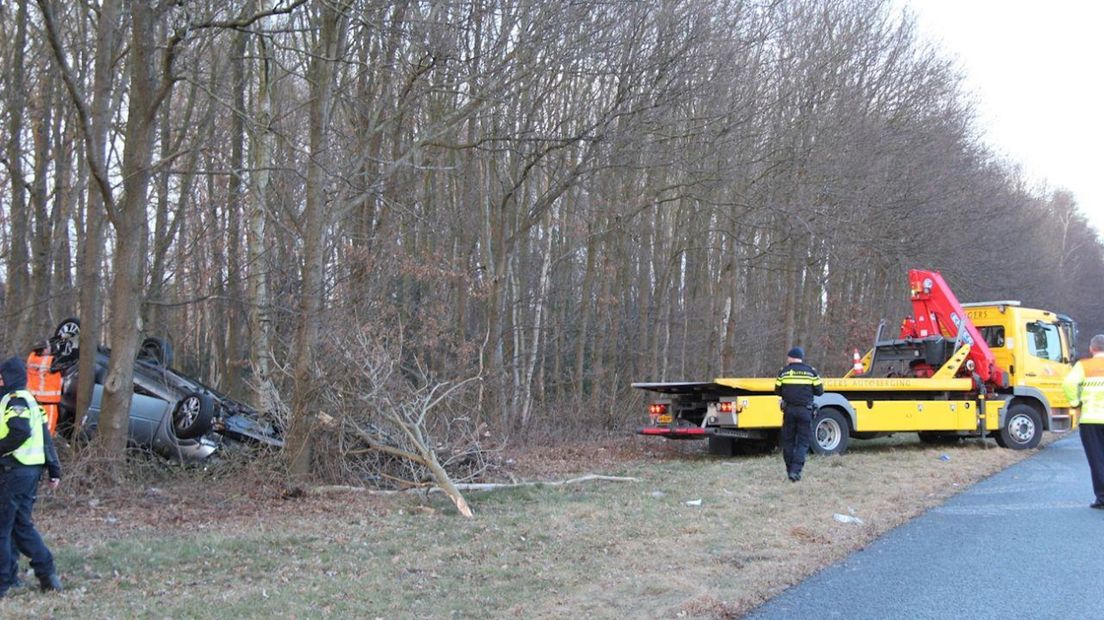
[67,337]
[192,415]
[1023,428]
[156,351]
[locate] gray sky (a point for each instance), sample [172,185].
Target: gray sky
[1036,70]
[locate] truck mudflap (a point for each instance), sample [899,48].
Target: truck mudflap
[677,432]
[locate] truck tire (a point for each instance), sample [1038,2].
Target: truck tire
[722,446]
[731,446]
[756,447]
[1022,429]
[831,432]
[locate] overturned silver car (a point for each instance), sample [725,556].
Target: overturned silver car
[171,414]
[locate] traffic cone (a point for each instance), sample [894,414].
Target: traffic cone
[856,363]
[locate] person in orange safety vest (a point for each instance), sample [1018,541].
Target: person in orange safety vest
[1084,385]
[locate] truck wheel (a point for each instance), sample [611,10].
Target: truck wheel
[756,447]
[830,432]
[722,446]
[1023,428]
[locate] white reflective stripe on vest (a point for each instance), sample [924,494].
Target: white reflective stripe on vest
[41,369]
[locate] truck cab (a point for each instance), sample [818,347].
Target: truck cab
[1036,347]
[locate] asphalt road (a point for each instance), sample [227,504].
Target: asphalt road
[1021,544]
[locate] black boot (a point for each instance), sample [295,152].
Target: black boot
[50,583]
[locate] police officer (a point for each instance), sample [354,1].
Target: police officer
[25,447]
[797,384]
[1084,385]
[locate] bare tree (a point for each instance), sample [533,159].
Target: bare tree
[331,23]
[556,198]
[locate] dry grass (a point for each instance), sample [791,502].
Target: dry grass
[200,546]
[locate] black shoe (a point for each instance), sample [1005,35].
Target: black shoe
[50,583]
[1098,504]
[795,477]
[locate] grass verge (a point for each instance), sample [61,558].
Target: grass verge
[698,536]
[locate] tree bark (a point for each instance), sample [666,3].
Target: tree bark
[303,422]
[131,234]
[263,393]
[17,294]
[95,123]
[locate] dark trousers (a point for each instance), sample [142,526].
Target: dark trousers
[18,491]
[1092,438]
[797,435]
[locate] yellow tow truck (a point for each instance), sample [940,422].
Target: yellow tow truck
[955,370]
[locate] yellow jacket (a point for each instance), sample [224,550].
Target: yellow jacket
[1084,385]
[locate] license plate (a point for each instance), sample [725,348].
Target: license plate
[663,419]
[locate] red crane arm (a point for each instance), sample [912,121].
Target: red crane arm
[936,312]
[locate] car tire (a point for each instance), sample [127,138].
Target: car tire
[67,337]
[156,351]
[192,415]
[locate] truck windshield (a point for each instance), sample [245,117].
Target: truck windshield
[1069,334]
[1043,341]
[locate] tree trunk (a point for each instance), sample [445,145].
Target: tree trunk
[17,293]
[95,122]
[301,426]
[131,233]
[264,396]
[38,319]
[538,326]
[234,336]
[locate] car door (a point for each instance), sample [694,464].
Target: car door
[1045,363]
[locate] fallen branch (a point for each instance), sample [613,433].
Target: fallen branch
[344,488]
[488,486]
[555,483]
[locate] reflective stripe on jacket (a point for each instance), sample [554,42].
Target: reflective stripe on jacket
[42,381]
[797,384]
[1084,385]
[33,450]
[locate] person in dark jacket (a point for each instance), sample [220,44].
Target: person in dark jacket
[797,384]
[25,448]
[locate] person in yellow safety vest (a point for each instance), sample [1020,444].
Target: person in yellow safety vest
[1084,385]
[798,384]
[25,448]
